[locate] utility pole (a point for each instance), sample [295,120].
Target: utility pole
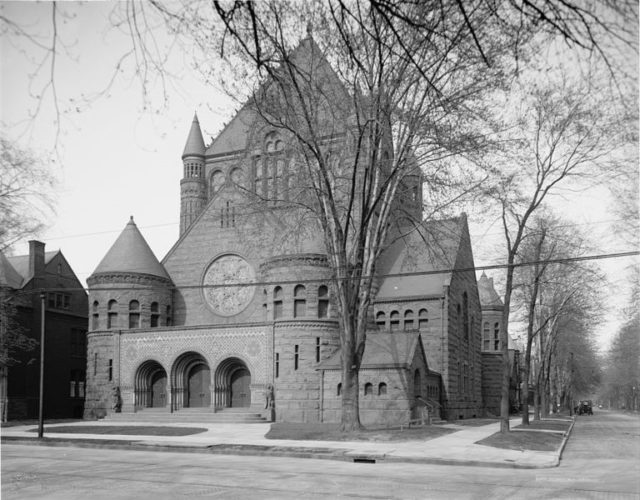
[41,399]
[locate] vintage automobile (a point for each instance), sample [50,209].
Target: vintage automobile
[585,407]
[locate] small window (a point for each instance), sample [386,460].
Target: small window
[317,349]
[299,301]
[110,370]
[381,320]
[134,314]
[155,315]
[417,384]
[277,302]
[112,314]
[339,389]
[496,337]
[465,316]
[169,316]
[486,339]
[296,357]
[408,319]
[368,389]
[382,389]
[277,365]
[423,319]
[95,316]
[323,302]
[394,321]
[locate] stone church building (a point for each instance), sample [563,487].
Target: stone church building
[172,335]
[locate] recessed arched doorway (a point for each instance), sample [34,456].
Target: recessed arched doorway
[191,382]
[233,384]
[150,385]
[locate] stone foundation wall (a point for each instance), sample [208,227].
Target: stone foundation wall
[297,391]
[100,349]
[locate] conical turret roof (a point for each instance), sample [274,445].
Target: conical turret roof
[131,254]
[488,294]
[195,142]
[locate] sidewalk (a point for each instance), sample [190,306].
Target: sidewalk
[457,448]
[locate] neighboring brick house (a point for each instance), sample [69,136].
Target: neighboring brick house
[22,278]
[492,308]
[171,336]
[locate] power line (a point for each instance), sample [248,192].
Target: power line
[563,260]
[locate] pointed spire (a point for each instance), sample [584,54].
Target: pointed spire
[131,254]
[195,142]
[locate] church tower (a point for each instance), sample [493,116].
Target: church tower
[193,187]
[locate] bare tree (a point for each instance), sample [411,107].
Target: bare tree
[26,193]
[561,135]
[552,292]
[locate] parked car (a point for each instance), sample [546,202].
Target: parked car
[585,407]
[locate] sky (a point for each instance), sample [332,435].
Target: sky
[120,156]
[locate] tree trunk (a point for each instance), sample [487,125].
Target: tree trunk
[526,370]
[350,400]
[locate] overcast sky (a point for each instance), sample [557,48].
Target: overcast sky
[118,158]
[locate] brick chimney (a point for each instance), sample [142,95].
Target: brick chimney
[36,258]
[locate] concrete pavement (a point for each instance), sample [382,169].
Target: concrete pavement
[456,448]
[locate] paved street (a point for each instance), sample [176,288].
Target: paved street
[601,461]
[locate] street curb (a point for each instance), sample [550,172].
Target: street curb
[565,439]
[337,454]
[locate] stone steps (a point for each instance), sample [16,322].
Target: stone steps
[190,415]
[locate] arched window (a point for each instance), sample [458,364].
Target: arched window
[417,384]
[496,337]
[382,389]
[423,319]
[169,320]
[155,315]
[465,316]
[216,182]
[134,314]
[408,319]
[339,389]
[265,307]
[394,321]
[368,389]
[323,301]
[112,314]
[237,177]
[277,302]
[459,319]
[381,320]
[273,166]
[95,321]
[258,176]
[299,301]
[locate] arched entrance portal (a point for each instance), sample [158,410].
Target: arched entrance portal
[233,384]
[191,382]
[150,385]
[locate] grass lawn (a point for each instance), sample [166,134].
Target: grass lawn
[527,440]
[475,422]
[331,432]
[123,430]
[550,425]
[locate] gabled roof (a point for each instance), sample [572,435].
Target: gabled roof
[488,294]
[195,142]
[131,254]
[383,350]
[21,263]
[307,57]
[8,274]
[433,246]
